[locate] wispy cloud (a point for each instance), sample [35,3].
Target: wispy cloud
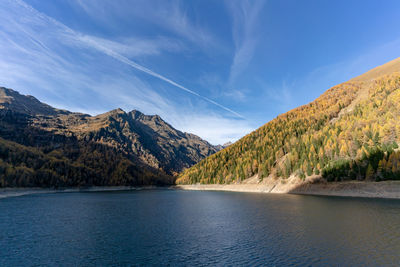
[106,46]
[212,127]
[75,71]
[279,96]
[95,44]
[135,47]
[169,15]
[237,95]
[174,17]
[245,31]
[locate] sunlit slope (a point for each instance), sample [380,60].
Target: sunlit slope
[350,132]
[388,68]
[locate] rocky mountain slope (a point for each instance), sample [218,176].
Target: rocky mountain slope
[143,148]
[350,132]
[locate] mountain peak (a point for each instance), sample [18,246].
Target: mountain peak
[227,144]
[117,111]
[135,114]
[146,139]
[26,104]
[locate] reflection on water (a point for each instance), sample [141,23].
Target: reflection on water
[168,227]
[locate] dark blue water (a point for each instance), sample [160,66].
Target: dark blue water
[168,227]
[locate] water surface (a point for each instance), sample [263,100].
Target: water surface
[172,227]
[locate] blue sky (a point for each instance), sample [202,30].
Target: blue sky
[219,69]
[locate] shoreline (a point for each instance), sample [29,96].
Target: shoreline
[22,191]
[383,189]
[292,185]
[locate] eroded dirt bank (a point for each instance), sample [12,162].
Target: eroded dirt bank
[311,186]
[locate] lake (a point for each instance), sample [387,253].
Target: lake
[174,227]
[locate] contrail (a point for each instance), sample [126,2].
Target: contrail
[88,40]
[94,44]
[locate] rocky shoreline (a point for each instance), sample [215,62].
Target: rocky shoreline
[311,186]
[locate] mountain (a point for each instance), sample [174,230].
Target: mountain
[12,100]
[350,132]
[220,147]
[44,146]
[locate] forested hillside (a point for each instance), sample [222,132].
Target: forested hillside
[72,165]
[31,156]
[44,146]
[352,131]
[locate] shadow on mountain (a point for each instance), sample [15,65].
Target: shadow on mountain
[150,139]
[30,156]
[376,164]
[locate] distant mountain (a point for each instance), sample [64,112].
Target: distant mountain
[220,147]
[75,149]
[352,131]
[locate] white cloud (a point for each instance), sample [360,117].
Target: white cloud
[42,57]
[134,47]
[100,44]
[169,15]
[237,95]
[213,128]
[281,96]
[93,43]
[175,18]
[245,34]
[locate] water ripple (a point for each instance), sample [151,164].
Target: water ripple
[179,228]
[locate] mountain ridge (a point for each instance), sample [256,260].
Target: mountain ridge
[349,132]
[145,142]
[384,69]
